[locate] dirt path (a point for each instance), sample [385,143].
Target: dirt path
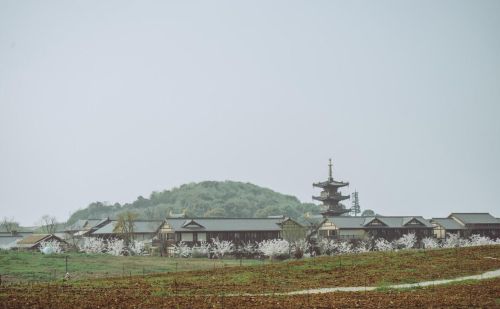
[486,275]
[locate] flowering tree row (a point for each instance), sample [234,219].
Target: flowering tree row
[97,245]
[273,248]
[279,248]
[114,246]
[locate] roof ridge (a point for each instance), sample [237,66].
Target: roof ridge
[187,218]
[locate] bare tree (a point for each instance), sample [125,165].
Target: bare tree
[125,226]
[9,225]
[48,224]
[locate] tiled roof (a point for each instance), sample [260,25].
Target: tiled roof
[16,234]
[78,225]
[348,222]
[139,227]
[475,218]
[227,224]
[32,239]
[85,224]
[448,224]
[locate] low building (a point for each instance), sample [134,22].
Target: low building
[445,226]
[237,230]
[467,224]
[388,227]
[32,242]
[143,230]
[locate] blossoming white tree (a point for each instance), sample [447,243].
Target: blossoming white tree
[182,250]
[452,241]
[93,245]
[343,247]
[405,242]
[363,246]
[478,240]
[430,243]
[383,245]
[137,247]
[116,247]
[221,247]
[50,246]
[202,250]
[249,249]
[327,246]
[273,248]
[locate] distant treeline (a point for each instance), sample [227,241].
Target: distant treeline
[205,199]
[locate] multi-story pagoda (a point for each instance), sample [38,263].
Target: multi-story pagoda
[330,197]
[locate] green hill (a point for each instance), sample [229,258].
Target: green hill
[205,199]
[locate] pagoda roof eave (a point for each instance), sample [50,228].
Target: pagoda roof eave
[331,198]
[333,183]
[334,213]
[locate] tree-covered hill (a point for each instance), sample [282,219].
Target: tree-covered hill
[205,199]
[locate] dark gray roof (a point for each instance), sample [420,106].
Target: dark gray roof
[16,234]
[225,224]
[32,240]
[448,224]
[78,225]
[140,227]
[332,183]
[84,224]
[347,222]
[474,218]
[7,240]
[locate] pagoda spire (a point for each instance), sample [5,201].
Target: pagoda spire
[330,196]
[330,174]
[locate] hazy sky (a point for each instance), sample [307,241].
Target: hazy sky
[109,100]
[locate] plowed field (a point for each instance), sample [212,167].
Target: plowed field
[480,294]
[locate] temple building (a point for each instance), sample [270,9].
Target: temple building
[373,227]
[237,230]
[330,196]
[466,225]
